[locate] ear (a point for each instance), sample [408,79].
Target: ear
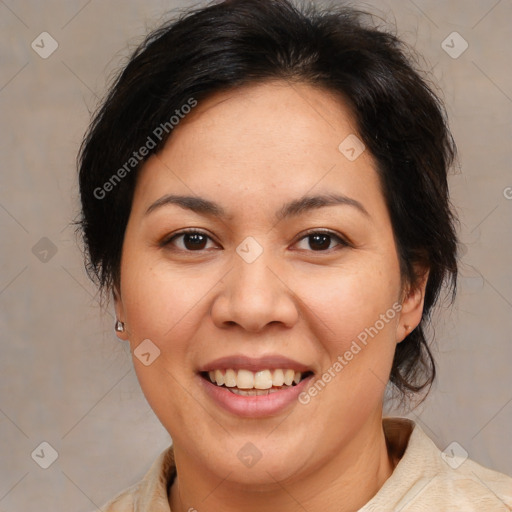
[412,305]
[119,309]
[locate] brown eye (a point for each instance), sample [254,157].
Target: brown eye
[320,241]
[195,241]
[191,240]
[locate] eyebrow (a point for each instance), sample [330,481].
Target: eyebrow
[293,208]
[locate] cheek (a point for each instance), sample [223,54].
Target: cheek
[161,302]
[349,303]
[357,313]
[165,307]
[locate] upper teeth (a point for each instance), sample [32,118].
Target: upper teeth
[245,379]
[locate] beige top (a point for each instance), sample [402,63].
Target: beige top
[424,480]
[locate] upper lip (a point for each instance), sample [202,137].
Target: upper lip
[243,362]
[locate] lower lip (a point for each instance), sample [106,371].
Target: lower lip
[254,406]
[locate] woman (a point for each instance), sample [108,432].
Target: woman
[264,194]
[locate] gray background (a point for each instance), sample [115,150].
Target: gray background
[64,377]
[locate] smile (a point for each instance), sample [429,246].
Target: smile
[254,387]
[255,383]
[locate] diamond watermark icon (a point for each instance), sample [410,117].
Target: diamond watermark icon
[454,45]
[146,352]
[44,455]
[454,455]
[44,250]
[249,455]
[351,147]
[249,250]
[44,45]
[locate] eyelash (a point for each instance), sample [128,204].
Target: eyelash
[341,242]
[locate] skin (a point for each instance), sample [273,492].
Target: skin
[251,150]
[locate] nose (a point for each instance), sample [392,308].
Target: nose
[254,295]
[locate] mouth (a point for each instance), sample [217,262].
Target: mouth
[254,387]
[244,382]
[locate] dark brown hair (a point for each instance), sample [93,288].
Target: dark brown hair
[225,45]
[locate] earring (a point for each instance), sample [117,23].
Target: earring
[406,327]
[119,326]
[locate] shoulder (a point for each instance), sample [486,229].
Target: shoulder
[150,493]
[123,501]
[470,487]
[426,478]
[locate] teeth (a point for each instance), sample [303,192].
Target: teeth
[218,377]
[248,383]
[278,378]
[253,392]
[245,379]
[288,377]
[262,380]
[229,378]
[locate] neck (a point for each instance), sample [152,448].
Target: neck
[345,482]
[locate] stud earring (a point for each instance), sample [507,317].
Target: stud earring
[119,326]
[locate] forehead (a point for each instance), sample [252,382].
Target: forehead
[261,141]
[297,112]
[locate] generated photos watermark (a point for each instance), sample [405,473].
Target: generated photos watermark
[137,156]
[343,360]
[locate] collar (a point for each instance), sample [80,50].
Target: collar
[153,490]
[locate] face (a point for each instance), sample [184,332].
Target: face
[266,285]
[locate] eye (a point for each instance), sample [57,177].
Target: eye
[320,240]
[191,240]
